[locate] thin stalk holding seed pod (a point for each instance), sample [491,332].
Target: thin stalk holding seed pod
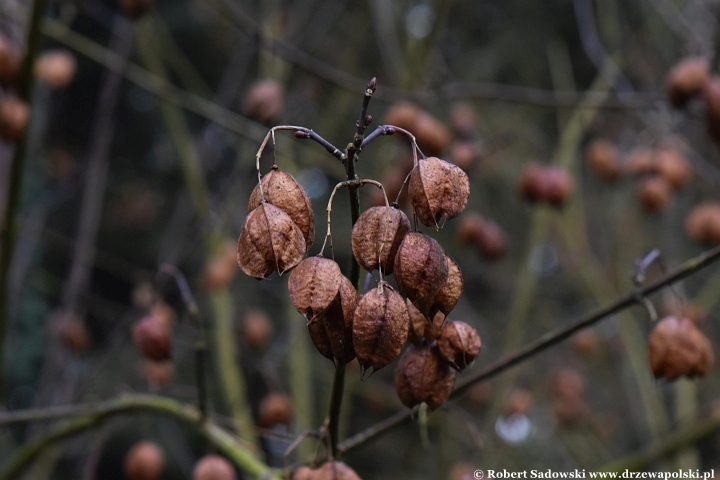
[346,183]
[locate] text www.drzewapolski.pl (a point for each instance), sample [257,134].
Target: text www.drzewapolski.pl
[584,474]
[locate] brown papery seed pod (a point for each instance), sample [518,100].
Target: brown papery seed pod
[265,101]
[331,332]
[221,270]
[469,228]
[304,472]
[604,159]
[376,237]
[403,115]
[153,338]
[144,461]
[432,136]
[673,165]
[256,329]
[420,269]
[420,326]
[283,191]
[655,193]
[9,62]
[559,186]
[491,243]
[275,408]
[640,161]
[531,185]
[422,375]
[703,223]
[269,242]
[14,116]
[459,343]
[380,327]
[686,79]
[56,68]
[437,189]
[448,296]
[678,348]
[214,467]
[711,95]
[519,402]
[335,470]
[313,285]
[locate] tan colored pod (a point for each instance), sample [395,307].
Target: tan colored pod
[437,189]
[269,242]
[265,101]
[331,331]
[153,338]
[377,235]
[421,328]
[214,467]
[144,461]
[380,327]
[448,296]
[604,159]
[275,409]
[313,285]
[422,375]
[678,348]
[283,191]
[686,79]
[459,344]
[420,269]
[703,223]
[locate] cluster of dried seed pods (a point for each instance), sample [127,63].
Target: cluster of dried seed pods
[678,348]
[546,184]
[279,228]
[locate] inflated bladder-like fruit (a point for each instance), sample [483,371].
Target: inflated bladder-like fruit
[448,296]
[437,190]
[283,191]
[420,269]
[686,79]
[270,241]
[214,467]
[331,331]
[377,235]
[144,461]
[459,344]
[313,285]
[422,375]
[678,348]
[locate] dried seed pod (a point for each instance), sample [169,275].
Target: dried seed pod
[437,189]
[403,115]
[420,326]
[559,186]
[14,116]
[603,158]
[422,375]
[283,191]
[469,228]
[703,223]
[673,166]
[331,331]
[221,270]
[420,269]
[265,101]
[164,313]
[448,296]
[432,136]
[569,383]
[9,62]
[686,79]
[275,409]
[491,243]
[459,343]
[313,285]
[56,68]
[678,348]
[531,184]
[711,95]
[519,402]
[304,472]
[585,342]
[214,467]
[655,193]
[256,329]
[144,461]
[153,338]
[465,155]
[135,8]
[380,327]
[269,242]
[376,237]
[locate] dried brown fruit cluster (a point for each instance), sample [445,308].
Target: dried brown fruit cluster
[333,470]
[662,170]
[279,228]
[485,235]
[546,184]
[678,348]
[703,223]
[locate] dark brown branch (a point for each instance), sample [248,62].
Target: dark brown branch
[544,342]
[311,135]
